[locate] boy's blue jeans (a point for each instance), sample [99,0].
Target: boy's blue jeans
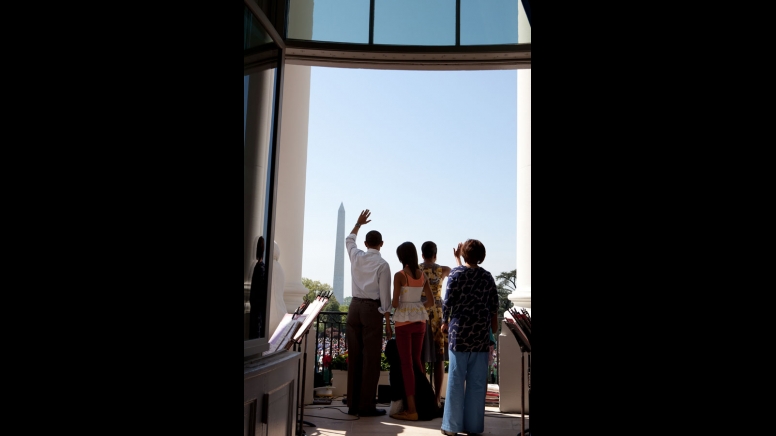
[467,385]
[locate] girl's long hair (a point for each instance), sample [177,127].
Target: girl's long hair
[408,256]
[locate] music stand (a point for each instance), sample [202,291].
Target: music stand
[524,431]
[310,313]
[303,377]
[519,323]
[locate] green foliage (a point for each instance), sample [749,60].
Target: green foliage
[332,305]
[428,367]
[340,362]
[384,365]
[315,288]
[345,305]
[505,283]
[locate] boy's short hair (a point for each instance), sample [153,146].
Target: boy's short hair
[374,238]
[473,252]
[429,249]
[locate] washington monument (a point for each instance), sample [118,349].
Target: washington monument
[339,257]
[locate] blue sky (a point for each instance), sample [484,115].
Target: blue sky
[431,153]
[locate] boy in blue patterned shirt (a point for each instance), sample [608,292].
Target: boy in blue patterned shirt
[469,314]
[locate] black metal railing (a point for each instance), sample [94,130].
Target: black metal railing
[331,340]
[330,337]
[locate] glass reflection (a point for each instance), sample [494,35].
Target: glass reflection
[413,22]
[258,98]
[523,23]
[258,294]
[253,34]
[410,22]
[329,20]
[489,22]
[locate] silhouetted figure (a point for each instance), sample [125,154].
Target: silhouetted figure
[258,294]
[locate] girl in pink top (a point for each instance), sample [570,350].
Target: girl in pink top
[410,319]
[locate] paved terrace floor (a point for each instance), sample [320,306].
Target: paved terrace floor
[333,420]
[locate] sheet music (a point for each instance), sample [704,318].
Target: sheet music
[283,333]
[518,323]
[293,325]
[311,314]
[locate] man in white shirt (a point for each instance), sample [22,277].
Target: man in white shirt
[371,292]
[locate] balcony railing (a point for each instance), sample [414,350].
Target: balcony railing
[331,340]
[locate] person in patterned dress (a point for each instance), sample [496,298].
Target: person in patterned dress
[435,341]
[469,314]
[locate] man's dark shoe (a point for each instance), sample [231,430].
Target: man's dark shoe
[345,401]
[375,412]
[353,412]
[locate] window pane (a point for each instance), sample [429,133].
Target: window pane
[489,22]
[253,35]
[258,115]
[415,22]
[523,26]
[329,20]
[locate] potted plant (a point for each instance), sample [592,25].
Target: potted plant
[326,363]
[339,362]
[339,373]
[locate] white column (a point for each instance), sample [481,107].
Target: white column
[292,178]
[521,296]
[289,222]
[307,397]
[510,358]
[510,380]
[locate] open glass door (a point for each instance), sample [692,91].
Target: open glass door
[262,78]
